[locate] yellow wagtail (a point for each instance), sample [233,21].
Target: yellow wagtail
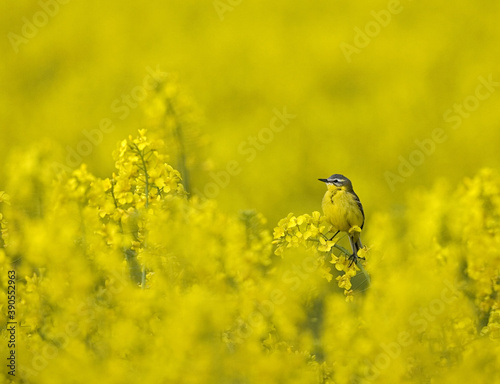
[342,208]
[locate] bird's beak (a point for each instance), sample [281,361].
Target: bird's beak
[323,180]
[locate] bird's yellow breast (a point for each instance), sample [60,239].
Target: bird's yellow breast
[341,208]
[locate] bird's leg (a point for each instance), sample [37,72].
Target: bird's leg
[354,256]
[336,233]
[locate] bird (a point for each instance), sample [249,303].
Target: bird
[343,209]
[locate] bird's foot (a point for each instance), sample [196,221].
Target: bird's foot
[354,259]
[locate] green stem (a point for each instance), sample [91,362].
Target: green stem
[116,203]
[367,276]
[146,175]
[143,278]
[342,249]
[179,138]
[82,228]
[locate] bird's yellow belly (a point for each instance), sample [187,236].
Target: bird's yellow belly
[342,209]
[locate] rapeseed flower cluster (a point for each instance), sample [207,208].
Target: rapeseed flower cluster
[316,234]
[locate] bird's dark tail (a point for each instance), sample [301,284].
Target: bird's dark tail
[356,246]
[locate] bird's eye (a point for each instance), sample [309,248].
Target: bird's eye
[335,180]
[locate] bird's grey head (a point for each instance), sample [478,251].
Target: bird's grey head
[337,180]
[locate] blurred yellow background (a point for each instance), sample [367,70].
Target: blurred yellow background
[402,97]
[355,113]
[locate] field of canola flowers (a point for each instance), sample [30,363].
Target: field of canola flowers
[160,214]
[129,278]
